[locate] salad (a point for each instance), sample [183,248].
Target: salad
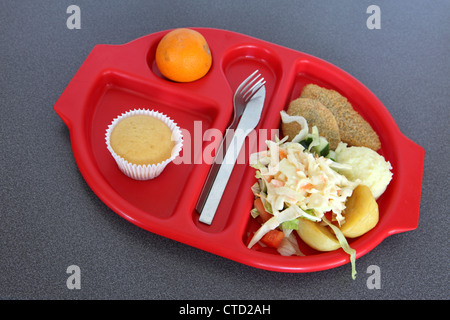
[300,188]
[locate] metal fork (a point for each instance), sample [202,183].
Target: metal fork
[244,92]
[247,90]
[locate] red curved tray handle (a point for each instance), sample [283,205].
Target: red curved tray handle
[406,206]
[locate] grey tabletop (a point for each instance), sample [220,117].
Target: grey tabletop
[51,220]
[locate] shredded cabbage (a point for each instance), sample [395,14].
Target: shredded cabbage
[315,137]
[289,246]
[285,118]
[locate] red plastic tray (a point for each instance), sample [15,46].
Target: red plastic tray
[117,78]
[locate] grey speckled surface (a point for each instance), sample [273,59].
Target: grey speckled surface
[50,219]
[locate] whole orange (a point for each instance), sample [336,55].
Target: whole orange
[183,55]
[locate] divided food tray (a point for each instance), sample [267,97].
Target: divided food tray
[116,78]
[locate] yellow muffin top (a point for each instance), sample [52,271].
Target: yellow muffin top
[142,139]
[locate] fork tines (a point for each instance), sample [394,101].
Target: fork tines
[248,88]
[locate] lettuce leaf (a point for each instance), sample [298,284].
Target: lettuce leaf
[344,244]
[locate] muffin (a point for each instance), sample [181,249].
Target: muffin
[143,142]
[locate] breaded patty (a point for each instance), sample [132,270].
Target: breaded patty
[316,114]
[353,129]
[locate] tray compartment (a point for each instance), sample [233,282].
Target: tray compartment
[241,60]
[117,92]
[313,70]
[238,62]
[363,101]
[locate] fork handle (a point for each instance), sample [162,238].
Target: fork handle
[223,175]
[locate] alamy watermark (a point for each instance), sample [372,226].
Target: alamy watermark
[211,145]
[374,20]
[74,280]
[374,280]
[74,20]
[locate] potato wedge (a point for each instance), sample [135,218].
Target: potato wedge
[361,212]
[317,236]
